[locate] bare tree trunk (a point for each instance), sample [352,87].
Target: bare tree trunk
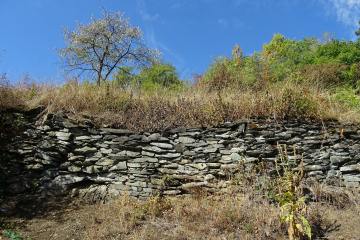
[98,80]
[99,77]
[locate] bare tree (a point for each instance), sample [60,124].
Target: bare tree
[105,44]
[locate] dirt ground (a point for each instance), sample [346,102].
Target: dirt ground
[185,218]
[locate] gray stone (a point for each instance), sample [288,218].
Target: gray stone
[229,166]
[145,159]
[134,165]
[119,140]
[46,145]
[185,161]
[193,184]
[235,157]
[186,140]
[189,153]
[92,169]
[24,152]
[350,168]
[148,154]
[117,131]
[238,150]
[154,137]
[200,166]
[225,152]
[120,186]
[351,178]
[76,158]
[310,168]
[211,150]
[169,155]
[96,137]
[82,138]
[315,173]
[36,166]
[74,169]
[91,160]
[132,154]
[137,184]
[339,159]
[250,160]
[67,179]
[171,192]
[162,145]
[209,177]
[119,166]
[105,162]
[213,165]
[64,136]
[85,150]
[154,149]
[106,151]
[225,159]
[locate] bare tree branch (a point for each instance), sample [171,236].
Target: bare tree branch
[105,44]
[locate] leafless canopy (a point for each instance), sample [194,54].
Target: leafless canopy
[104,44]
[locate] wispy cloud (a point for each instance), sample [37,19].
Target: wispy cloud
[230,22]
[145,14]
[153,41]
[223,22]
[347,11]
[176,5]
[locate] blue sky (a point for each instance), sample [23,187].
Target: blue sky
[189,33]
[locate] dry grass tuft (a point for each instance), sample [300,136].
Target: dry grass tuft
[193,107]
[9,97]
[231,216]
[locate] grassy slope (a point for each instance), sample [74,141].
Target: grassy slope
[189,108]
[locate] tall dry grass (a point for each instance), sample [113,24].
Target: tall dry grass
[10,98]
[200,216]
[192,107]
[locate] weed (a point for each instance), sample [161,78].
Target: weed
[290,196]
[12,235]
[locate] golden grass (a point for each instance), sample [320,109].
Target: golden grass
[231,216]
[193,107]
[10,98]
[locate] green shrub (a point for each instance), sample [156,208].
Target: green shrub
[347,96]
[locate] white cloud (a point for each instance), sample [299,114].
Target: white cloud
[347,11]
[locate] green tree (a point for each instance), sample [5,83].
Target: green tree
[159,76]
[125,77]
[284,56]
[226,72]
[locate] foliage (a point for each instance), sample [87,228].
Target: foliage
[230,72]
[285,55]
[155,77]
[325,64]
[103,45]
[12,235]
[125,77]
[159,76]
[290,195]
[348,97]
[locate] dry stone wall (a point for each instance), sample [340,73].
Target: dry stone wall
[59,156]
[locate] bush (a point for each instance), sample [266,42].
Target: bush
[347,97]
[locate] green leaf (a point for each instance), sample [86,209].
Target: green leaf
[307,227]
